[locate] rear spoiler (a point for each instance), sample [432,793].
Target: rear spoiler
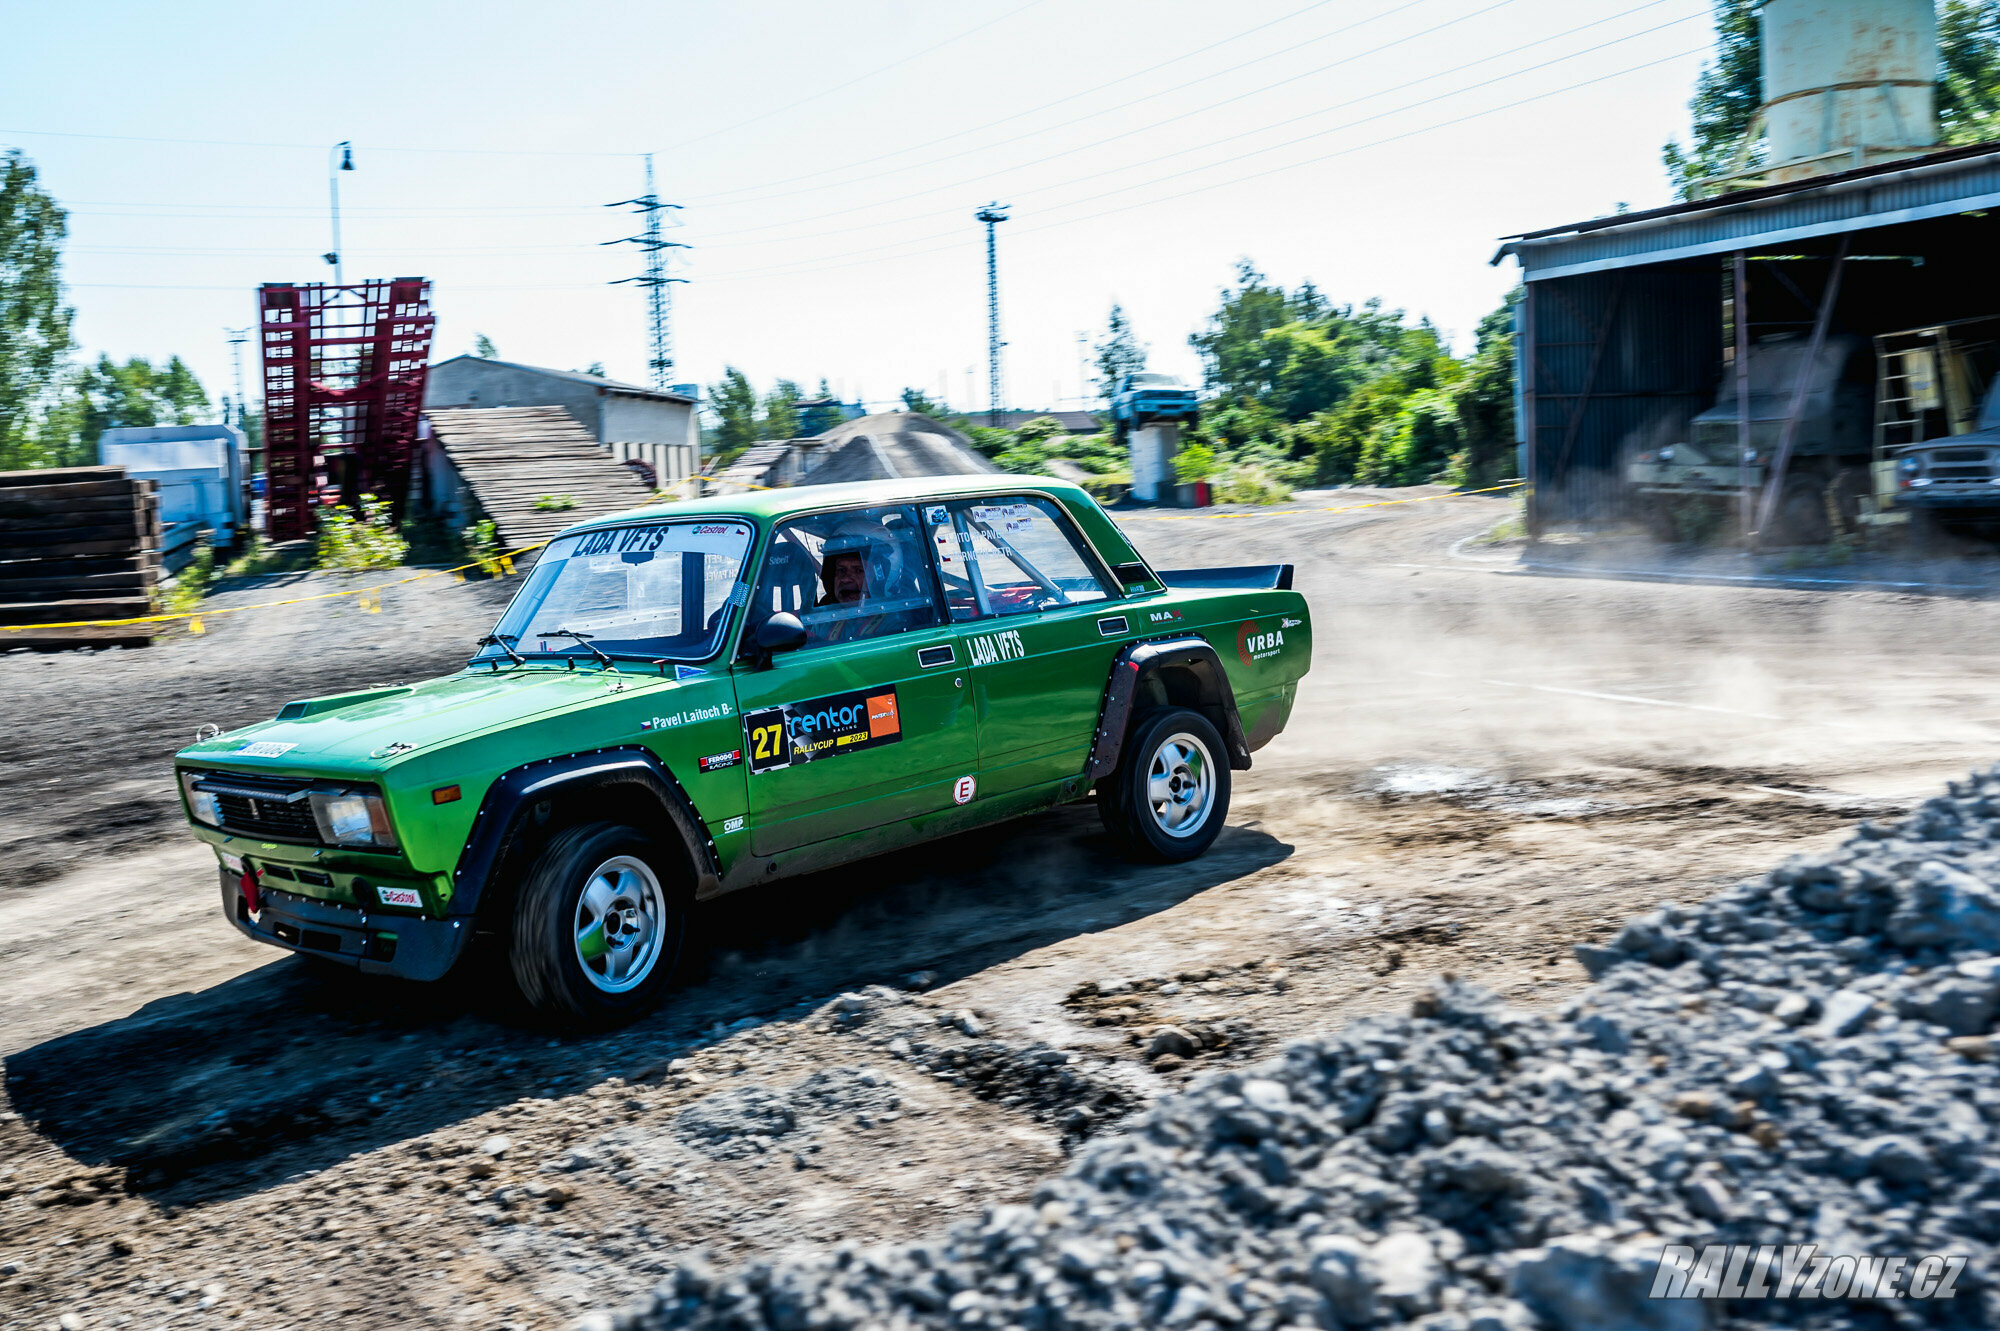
[1249,577]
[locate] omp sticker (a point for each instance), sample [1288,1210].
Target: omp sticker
[399,896]
[992,648]
[963,789]
[265,748]
[733,824]
[803,732]
[1290,623]
[1255,644]
[715,762]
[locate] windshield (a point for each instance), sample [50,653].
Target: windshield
[654,592]
[1155,381]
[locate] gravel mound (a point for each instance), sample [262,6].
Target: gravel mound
[1803,1059]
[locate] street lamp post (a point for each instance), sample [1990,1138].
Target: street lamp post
[339,158]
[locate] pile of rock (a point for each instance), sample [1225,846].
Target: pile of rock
[1805,1059]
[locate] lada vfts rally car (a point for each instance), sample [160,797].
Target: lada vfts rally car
[686,700]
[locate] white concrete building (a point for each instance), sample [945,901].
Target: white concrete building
[633,422]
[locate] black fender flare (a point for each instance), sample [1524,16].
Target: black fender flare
[1140,659]
[509,799]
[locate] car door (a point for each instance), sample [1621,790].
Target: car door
[1040,628]
[871,722]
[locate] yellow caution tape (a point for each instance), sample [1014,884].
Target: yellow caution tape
[371,598]
[1299,512]
[504,562]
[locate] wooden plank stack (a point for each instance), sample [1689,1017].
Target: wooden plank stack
[509,457]
[77,543]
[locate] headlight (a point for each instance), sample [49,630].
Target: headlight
[352,818]
[204,807]
[1909,466]
[1667,454]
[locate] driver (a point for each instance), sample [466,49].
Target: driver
[845,577]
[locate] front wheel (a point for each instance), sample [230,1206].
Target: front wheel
[1170,794]
[597,926]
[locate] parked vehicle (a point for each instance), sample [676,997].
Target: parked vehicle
[1697,482]
[706,696]
[1148,396]
[1937,426]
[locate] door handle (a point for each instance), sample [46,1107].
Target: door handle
[939,655]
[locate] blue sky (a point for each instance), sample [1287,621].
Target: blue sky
[830,158]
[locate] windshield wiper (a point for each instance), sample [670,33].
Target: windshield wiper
[504,642]
[583,639]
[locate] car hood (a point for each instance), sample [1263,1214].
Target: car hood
[374,727]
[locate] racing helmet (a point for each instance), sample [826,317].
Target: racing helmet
[880,552]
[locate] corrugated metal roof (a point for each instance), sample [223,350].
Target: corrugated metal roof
[1942,184]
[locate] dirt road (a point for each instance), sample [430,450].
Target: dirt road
[1484,768]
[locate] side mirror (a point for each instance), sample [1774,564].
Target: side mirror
[782,632]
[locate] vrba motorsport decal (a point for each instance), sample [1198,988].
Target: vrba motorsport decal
[804,732]
[1254,643]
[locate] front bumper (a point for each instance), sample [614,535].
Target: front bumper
[410,947]
[1949,496]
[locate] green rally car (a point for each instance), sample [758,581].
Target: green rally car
[686,700]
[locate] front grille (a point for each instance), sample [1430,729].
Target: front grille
[1961,464]
[268,818]
[263,806]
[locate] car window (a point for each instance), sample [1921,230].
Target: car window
[654,591]
[1009,556]
[848,576]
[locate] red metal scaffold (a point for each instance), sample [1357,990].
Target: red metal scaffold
[344,370]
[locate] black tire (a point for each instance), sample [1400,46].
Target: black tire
[1801,515]
[547,953]
[1124,799]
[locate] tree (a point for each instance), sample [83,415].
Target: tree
[1968,103]
[915,400]
[34,323]
[136,393]
[734,402]
[1726,98]
[1119,354]
[482,347]
[781,411]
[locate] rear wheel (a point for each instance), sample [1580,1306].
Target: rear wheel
[598,925]
[1801,515]
[1170,794]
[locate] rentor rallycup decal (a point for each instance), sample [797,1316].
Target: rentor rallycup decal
[1256,643]
[804,732]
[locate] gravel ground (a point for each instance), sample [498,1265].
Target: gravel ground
[1803,1058]
[198,1132]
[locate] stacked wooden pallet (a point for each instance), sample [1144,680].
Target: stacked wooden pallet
[77,543]
[512,457]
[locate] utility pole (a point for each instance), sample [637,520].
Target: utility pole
[1082,370]
[237,337]
[339,158]
[654,279]
[992,214]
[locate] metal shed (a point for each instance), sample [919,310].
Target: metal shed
[1627,329]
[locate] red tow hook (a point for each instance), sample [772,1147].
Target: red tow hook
[251,897]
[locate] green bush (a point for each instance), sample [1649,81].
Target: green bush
[482,545]
[350,542]
[1248,485]
[555,503]
[192,585]
[1194,463]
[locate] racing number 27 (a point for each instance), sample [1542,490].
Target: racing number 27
[767,744]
